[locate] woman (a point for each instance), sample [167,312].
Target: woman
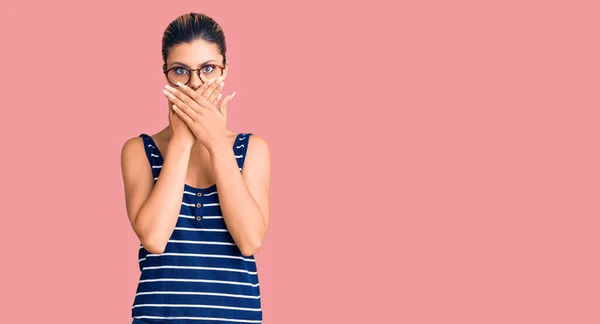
[197,243]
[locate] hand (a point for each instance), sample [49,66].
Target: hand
[211,90]
[180,131]
[204,119]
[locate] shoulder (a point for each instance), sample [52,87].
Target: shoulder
[257,163]
[132,144]
[258,155]
[132,150]
[257,145]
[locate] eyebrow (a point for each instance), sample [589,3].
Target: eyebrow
[188,66]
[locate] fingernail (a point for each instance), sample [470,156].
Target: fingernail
[211,80]
[221,78]
[232,96]
[220,95]
[180,84]
[169,88]
[222,84]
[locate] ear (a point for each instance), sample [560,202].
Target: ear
[164,69]
[225,70]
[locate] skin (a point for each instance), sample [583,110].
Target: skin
[197,150]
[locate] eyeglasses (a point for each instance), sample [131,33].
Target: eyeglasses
[183,74]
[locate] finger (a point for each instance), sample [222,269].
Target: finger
[186,94]
[215,84]
[216,101]
[203,87]
[215,94]
[198,103]
[223,105]
[192,113]
[183,115]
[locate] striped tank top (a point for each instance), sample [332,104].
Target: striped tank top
[201,276]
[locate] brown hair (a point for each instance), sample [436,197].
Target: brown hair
[190,27]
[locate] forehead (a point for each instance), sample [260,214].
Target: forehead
[194,53]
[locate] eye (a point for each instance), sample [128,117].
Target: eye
[208,69]
[181,71]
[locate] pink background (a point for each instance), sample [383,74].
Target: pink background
[431,163]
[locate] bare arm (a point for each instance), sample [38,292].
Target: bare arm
[153,210]
[244,196]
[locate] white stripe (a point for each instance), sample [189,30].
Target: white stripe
[191,205]
[201,318]
[203,217]
[201,255]
[156,178]
[195,293]
[201,242]
[199,306]
[202,280]
[201,268]
[240,169]
[142,259]
[152,154]
[242,138]
[149,145]
[157,166]
[200,229]
[239,156]
[213,204]
[240,146]
[193,193]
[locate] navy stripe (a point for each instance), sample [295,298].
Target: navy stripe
[187,233]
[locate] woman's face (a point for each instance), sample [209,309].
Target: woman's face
[195,55]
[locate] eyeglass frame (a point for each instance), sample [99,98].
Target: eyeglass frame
[190,70]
